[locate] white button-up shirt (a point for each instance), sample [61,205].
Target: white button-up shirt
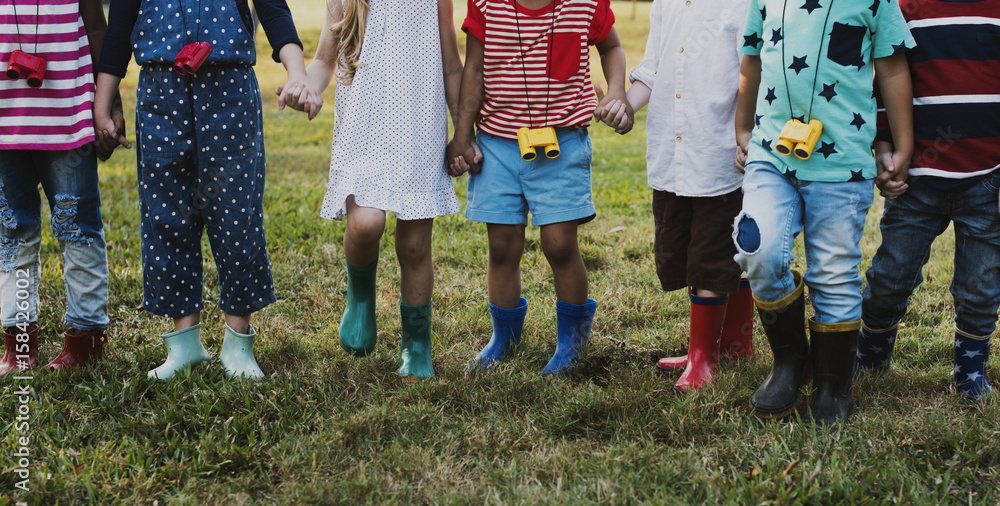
[692,66]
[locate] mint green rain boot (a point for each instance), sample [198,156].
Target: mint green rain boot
[183,348]
[237,355]
[415,348]
[357,326]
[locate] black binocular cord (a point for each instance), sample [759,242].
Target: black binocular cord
[197,34]
[819,54]
[17,24]
[548,64]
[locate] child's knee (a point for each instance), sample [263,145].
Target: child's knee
[560,249]
[366,227]
[746,234]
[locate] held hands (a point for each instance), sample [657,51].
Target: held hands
[457,156]
[892,169]
[300,96]
[614,110]
[742,145]
[109,130]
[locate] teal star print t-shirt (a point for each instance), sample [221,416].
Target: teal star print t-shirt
[824,50]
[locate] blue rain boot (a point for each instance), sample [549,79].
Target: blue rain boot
[183,348]
[237,355]
[971,356]
[874,350]
[415,348]
[507,327]
[573,322]
[357,327]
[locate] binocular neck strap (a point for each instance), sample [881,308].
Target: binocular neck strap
[819,59]
[197,22]
[548,65]
[17,24]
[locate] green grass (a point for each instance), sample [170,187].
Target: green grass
[328,428]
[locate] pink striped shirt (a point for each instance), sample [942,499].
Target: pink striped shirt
[58,115]
[555,77]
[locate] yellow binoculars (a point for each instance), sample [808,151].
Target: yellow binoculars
[799,137]
[530,138]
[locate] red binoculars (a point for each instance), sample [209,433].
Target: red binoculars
[189,60]
[28,65]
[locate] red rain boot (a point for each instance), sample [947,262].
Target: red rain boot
[707,314]
[13,349]
[79,349]
[737,332]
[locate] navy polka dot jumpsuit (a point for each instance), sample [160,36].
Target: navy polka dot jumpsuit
[200,160]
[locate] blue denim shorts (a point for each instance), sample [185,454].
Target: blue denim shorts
[553,190]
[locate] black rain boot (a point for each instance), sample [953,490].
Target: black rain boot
[784,324]
[834,348]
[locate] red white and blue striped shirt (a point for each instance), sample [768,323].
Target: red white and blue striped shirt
[955,70]
[56,116]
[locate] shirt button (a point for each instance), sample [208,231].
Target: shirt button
[678,95]
[678,138]
[688,3]
[681,50]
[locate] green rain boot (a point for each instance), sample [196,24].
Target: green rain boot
[183,348]
[357,326]
[415,348]
[237,355]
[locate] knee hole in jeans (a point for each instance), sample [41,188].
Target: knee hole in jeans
[747,234]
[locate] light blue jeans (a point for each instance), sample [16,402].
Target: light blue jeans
[776,207]
[69,179]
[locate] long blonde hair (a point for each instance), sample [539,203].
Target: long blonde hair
[351,32]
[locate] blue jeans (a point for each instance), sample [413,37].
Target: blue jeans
[909,225]
[776,207]
[69,179]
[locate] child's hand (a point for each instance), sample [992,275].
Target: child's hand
[614,111]
[457,157]
[300,96]
[892,169]
[109,131]
[742,147]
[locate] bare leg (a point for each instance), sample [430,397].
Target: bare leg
[503,272]
[416,267]
[184,322]
[569,275]
[365,226]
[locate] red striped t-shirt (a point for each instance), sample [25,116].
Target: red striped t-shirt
[955,70]
[58,115]
[554,78]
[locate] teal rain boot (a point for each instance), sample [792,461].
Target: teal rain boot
[415,348]
[183,348]
[237,355]
[573,322]
[357,326]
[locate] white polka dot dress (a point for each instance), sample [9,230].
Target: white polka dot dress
[392,126]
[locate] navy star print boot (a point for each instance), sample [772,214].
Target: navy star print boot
[971,356]
[874,350]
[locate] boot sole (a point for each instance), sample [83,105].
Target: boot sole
[774,414]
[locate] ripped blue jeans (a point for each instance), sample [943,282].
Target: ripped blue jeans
[69,179]
[776,207]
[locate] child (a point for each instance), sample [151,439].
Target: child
[47,137]
[398,67]
[696,188]
[807,62]
[200,162]
[954,178]
[527,65]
